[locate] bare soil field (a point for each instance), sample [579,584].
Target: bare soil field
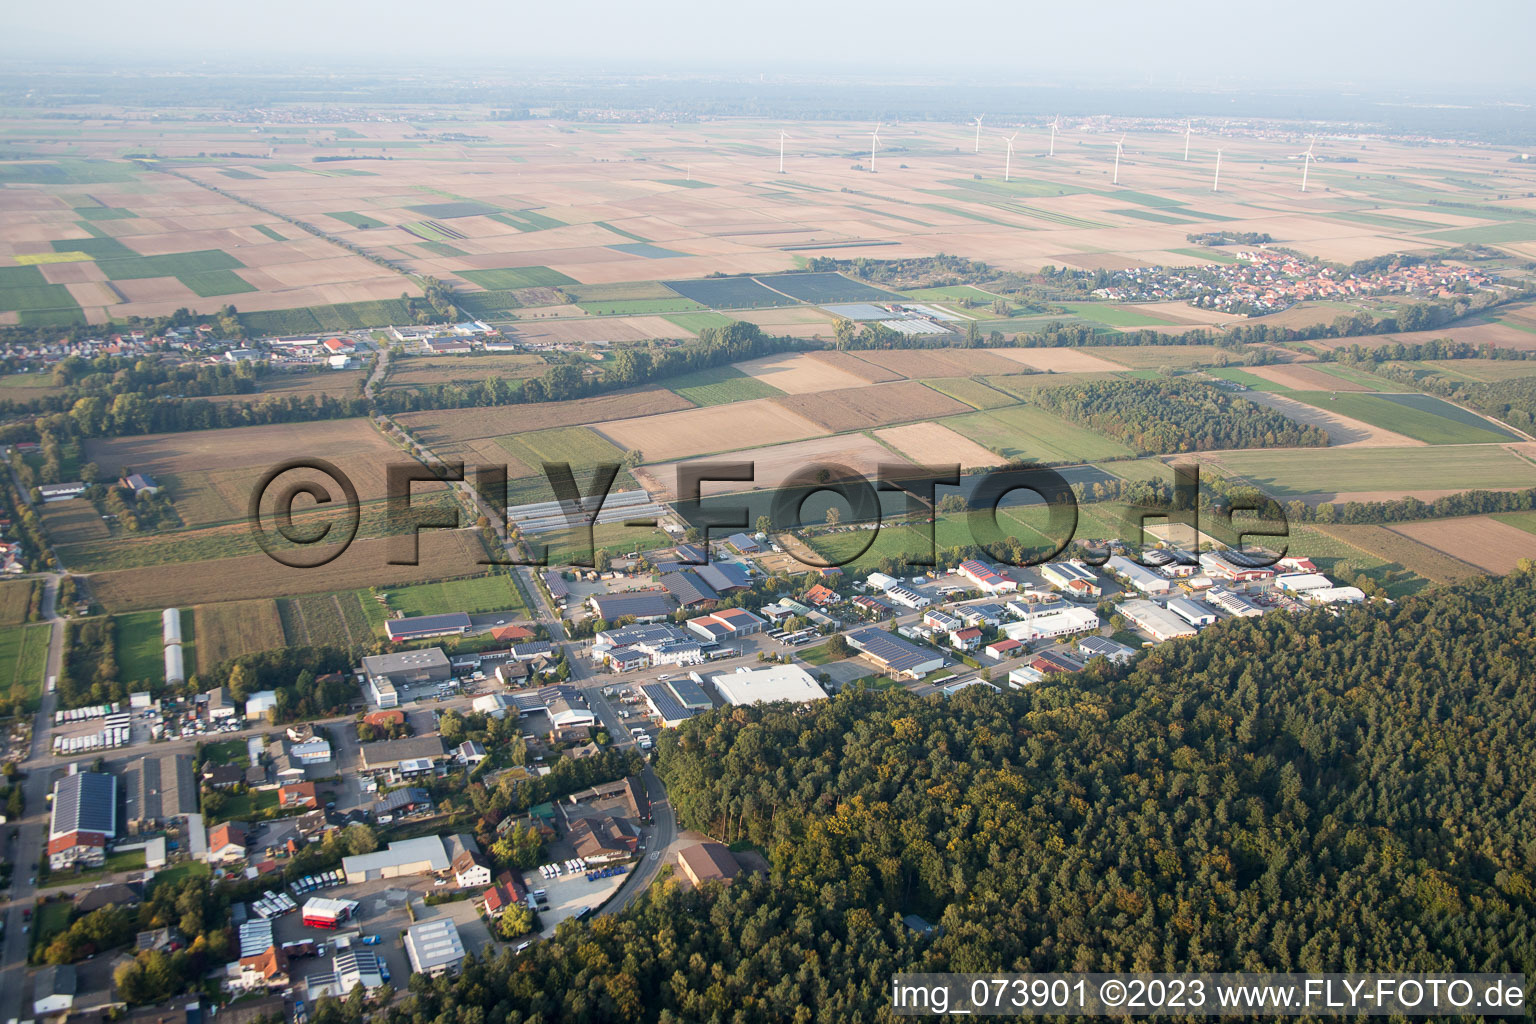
[1477,540]
[1304,378]
[446,426]
[421,371]
[716,428]
[775,464]
[1057,360]
[1343,431]
[444,554]
[873,406]
[809,373]
[210,474]
[69,522]
[918,363]
[933,444]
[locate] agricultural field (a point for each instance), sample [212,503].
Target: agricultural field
[427,371]
[1483,541]
[234,628]
[721,385]
[1377,474]
[730,293]
[1422,417]
[972,392]
[1397,548]
[1031,433]
[337,620]
[16,601]
[23,660]
[874,406]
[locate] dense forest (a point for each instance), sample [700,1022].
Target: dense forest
[1344,792]
[1175,416]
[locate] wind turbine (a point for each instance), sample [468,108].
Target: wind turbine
[1308,165]
[782,137]
[1216,181]
[978,133]
[874,141]
[1189,128]
[1008,161]
[1055,125]
[1119,147]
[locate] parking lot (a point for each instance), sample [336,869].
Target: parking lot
[571,893]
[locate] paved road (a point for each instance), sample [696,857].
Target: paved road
[25,850]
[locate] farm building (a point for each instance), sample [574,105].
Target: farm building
[421,627]
[766,685]
[139,483]
[1155,620]
[259,704]
[60,492]
[387,755]
[174,670]
[1298,582]
[53,989]
[170,626]
[220,704]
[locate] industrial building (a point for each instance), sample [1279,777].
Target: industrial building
[1155,620]
[83,819]
[386,755]
[434,947]
[327,913]
[401,859]
[386,673]
[1073,578]
[1143,579]
[1090,647]
[644,605]
[766,685]
[1049,623]
[1196,613]
[893,654]
[674,701]
[986,578]
[1232,603]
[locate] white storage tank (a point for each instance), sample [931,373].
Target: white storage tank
[170,625]
[173,670]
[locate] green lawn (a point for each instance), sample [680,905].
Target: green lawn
[227,752]
[480,594]
[1292,472]
[1029,432]
[1243,377]
[125,860]
[1421,417]
[243,806]
[51,919]
[721,385]
[186,869]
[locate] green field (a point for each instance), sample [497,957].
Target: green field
[699,321]
[1488,234]
[1485,370]
[441,249]
[516,277]
[23,660]
[721,385]
[620,291]
[580,446]
[104,213]
[1028,432]
[1520,520]
[615,538]
[67,172]
[346,619]
[1154,357]
[140,650]
[1421,417]
[1213,254]
[639,307]
[176,264]
[481,594]
[1243,377]
[485,303]
[900,540]
[1343,560]
[216,282]
[972,392]
[344,316]
[458,208]
[270,232]
[1294,472]
[357,220]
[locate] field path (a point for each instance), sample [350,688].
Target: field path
[1343,431]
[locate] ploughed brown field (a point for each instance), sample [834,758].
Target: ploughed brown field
[874,406]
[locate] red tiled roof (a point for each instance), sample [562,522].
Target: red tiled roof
[70,840]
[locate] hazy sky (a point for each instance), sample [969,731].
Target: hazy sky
[1417,46]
